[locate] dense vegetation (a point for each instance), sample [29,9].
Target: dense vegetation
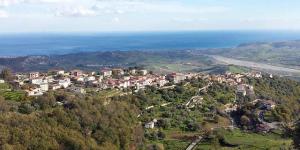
[106,120]
[284,92]
[82,122]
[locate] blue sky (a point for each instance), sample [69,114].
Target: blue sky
[147,15]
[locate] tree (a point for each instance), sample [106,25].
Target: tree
[164,123]
[245,120]
[26,108]
[296,138]
[6,74]
[161,135]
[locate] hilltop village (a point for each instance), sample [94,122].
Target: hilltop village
[37,83]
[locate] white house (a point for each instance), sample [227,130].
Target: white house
[35,92]
[124,84]
[38,81]
[65,82]
[2,81]
[143,72]
[176,77]
[106,72]
[89,78]
[55,86]
[100,78]
[60,72]
[44,87]
[241,90]
[162,82]
[132,71]
[151,124]
[80,79]
[126,78]
[49,79]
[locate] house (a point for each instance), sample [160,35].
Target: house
[55,86]
[79,79]
[33,75]
[230,108]
[143,72]
[76,73]
[79,90]
[132,71]
[89,78]
[2,81]
[100,78]
[176,77]
[151,124]
[118,72]
[190,75]
[64,83]
[238,80]
[38,81]
[34,92]
[60,72]
[161,82]
[139,86]
[250,90]
[241,90]
[49,79]
[44,87]
[256,74]
[106,72]
[126,78]
[122,84]
[218,78]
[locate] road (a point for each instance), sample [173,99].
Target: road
[205,87]
[198,140]
[194,143]
[255,65]
[273,125]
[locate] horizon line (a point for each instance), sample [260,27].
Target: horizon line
[152,31]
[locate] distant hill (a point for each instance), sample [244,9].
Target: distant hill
[276,53]
[97,60]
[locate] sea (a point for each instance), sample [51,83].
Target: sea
[12,45]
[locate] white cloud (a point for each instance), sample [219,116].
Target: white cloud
[116,19]
[188,20]
[78,11]
[6,3]
[3,14]
[152,6]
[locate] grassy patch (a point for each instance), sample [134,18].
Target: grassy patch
[13,95]
[4,86]
[175,144]
[249,141]
[237,69]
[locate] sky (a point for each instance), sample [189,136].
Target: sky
[18,16]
